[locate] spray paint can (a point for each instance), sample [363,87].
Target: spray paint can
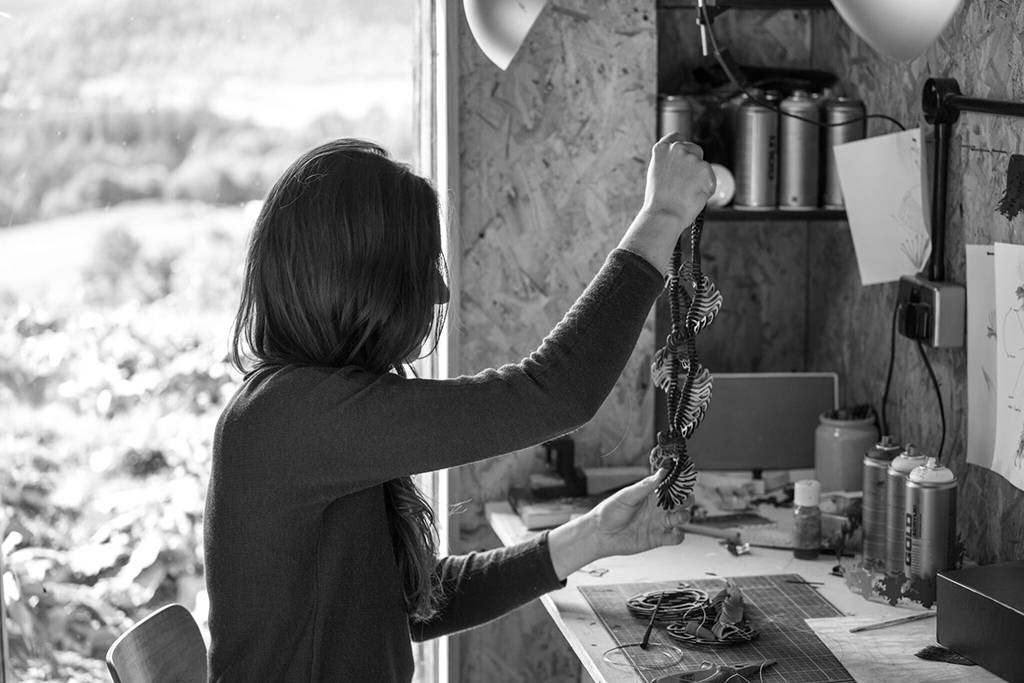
[757,156]
[930,508]
[895,507]
[799,147]
[675,115]
[876,463]
[845,116]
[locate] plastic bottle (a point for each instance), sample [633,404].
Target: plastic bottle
[807,519]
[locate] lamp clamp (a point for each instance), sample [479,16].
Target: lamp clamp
[937,100]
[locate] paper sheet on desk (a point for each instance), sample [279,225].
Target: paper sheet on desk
[881,181]
[887,654]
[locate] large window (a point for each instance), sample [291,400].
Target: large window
[137,138]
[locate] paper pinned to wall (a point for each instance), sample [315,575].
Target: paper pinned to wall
[881,182]
[1008,455]
[981,354]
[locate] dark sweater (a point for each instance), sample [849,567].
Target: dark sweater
[300,566]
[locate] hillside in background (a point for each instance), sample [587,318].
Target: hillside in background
[135,136]
[106,101]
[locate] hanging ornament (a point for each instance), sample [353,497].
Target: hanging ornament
[677,371]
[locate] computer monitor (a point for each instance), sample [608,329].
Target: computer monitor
[763,421]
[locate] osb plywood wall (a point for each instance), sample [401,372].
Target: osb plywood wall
[552,154]
[850,324]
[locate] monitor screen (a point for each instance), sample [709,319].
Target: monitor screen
[763,421]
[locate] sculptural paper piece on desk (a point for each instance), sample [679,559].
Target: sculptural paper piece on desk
[1008,457]
[881,178]
[981,354]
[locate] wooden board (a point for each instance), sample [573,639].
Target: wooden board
[887,654]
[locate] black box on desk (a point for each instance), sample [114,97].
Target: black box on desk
[980,615]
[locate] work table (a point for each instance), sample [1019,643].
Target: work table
[881,658]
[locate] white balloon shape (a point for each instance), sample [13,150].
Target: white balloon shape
[500,26]
[901,29]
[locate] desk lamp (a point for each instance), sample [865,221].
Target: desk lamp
[500,26]
[901,29]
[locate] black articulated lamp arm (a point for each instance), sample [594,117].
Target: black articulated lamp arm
[942,103]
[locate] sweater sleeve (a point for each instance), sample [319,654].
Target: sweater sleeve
[344,429]
[483,586]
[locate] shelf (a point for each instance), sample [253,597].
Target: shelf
[747,4]
[731,214]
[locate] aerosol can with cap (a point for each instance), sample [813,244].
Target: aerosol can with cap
[930,508]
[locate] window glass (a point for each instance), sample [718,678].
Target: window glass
[137,138]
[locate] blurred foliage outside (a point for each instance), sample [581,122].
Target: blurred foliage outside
[109,397]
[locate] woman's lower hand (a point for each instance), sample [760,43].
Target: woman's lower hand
[628,522]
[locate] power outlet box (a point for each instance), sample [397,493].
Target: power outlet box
[933,312]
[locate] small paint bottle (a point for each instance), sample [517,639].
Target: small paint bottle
[806,519]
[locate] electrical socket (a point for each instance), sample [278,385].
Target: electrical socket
[932,312]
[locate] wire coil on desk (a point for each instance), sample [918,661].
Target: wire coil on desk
[676,604]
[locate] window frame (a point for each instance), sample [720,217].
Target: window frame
[435,77]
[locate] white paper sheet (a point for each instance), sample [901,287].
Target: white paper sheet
[981,354]
[881,182]
[1008,458]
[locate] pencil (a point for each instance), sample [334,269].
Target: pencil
[733,535]
[892,622]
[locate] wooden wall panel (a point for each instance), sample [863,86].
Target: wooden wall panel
[850,324]
[553,158]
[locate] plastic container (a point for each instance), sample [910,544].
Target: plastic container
[806,519]
[839,448]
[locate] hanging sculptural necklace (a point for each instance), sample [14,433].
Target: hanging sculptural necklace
[677,371]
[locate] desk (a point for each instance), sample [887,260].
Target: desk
[696,556]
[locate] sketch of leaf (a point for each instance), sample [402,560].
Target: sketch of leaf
[988,381]
[991,330]
[915,248]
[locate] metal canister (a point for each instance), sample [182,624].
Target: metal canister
[757,156]
[799,147]
[930,509]
[876,463]
[846,123]
[675,115]
[895,514]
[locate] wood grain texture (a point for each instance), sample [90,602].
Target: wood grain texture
[551,162]
[553,157]
[850,325]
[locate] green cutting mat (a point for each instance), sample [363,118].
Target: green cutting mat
[774,607]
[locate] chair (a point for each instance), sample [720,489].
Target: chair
[164,647]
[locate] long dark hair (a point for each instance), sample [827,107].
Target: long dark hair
[344,268]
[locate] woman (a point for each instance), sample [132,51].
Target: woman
[320,552]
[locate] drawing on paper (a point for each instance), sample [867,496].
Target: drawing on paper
[1008,454]
[915,244]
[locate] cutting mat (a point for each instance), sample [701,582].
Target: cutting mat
[775,607]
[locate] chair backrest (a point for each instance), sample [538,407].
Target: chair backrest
[164,647]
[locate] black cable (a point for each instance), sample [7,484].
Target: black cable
[938,395]
[702,9]
[892,359]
